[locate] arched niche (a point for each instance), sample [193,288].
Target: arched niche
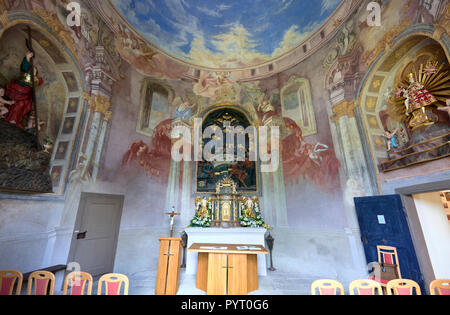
[59,99]
[380,83]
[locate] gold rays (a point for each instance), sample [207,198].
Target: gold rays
[434,77]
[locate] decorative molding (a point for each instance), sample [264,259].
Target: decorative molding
[4,19]
[344,108]
[99,104]
[370,56]
[443,27]
[58,28]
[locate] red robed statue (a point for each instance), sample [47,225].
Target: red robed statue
[21,91]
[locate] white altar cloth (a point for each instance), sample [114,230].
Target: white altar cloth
[245,236]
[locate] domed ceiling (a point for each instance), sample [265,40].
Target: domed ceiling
[226,34]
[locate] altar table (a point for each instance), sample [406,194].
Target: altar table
[225,269]
[225,236]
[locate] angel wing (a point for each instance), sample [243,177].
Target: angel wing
[131,154]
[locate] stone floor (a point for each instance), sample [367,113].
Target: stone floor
[274,284]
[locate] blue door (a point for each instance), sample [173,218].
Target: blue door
[383,223]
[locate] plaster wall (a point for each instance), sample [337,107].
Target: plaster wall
[436,229]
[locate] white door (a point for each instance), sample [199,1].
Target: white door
[96,232]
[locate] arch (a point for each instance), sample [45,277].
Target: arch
[245,174]
[232,107]
[69,71]
[382,77]
[425,30]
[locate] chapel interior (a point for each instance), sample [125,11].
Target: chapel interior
[263,147]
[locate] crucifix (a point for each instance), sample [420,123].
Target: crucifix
[172,219]
[167,280]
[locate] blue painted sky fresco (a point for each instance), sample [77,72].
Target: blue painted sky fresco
[231,33]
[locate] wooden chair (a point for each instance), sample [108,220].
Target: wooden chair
[77,281]
[44,283]
[113,284]
[327,287]
[389,266]
[8,279]
[365,287]
[442,286]
[402,287]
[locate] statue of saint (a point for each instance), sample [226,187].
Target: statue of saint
[249,211]
[20,91]
[202,208]
[417,96]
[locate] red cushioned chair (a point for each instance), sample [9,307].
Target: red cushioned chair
[365,287]
[389,267]
[327,287]
[441,285]
[113,284]
[8,279]
[80,283]
[402,287]
[43,281]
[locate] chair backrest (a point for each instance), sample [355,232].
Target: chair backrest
[441,285]
[388,255]
[113,284]
[402,287]
[327,287]
[365,287]
[44,283]
[80,283]
[9,278]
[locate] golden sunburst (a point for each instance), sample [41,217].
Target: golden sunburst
[434,77]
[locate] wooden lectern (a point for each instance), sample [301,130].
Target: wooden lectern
[168,278]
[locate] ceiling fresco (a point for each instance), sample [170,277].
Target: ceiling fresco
[226,34]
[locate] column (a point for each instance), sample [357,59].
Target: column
[343,81]
[101,86]
[275,209]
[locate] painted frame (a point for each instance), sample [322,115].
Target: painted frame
[305,87]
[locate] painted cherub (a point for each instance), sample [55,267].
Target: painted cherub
[31,126]
[3,103]
[392,142]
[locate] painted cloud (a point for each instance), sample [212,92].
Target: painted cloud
[238,33]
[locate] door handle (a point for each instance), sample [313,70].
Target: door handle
[364,239]
[81,236]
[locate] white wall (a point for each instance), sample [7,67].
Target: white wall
[436,230]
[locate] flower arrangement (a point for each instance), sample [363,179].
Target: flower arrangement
[255,222]
[202,218]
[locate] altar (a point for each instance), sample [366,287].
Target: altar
[244,236]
